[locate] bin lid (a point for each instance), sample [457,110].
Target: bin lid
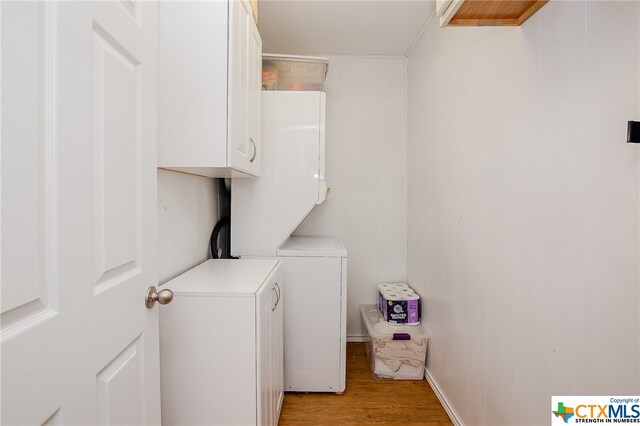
[295,58]
[378,328]
[321,63]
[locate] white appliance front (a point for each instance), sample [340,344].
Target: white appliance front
[312,247]
[267,210]
[315,324]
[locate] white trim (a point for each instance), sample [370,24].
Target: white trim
[363,56]
[448,407]
[356,339]
[426,25]
[295,58]
[450,12]
[405,143]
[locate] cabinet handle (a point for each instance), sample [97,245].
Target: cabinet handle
[255,151]
[275,305]
[276,289]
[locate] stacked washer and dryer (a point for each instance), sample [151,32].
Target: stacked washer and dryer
[264,214]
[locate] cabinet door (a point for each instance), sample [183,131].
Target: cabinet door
[254,88]
[239,147]
[192,84]
[313,348]
[277,350]
[265,303]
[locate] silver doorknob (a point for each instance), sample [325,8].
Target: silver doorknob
[162,297]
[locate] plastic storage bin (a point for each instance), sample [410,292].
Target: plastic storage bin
[394,352]
[283,72]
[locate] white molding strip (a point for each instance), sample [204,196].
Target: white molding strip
[361,56]
[451,412]
[424,27]
[356,339]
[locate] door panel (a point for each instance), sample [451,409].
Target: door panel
[120,393]
[265,302]
[312,324]
[239,150]
[78,230]
[277,351]
[116,166]
[28,288]
[254,89]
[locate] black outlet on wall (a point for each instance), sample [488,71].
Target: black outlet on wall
[633,132]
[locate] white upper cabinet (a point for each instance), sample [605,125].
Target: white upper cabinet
[209,88]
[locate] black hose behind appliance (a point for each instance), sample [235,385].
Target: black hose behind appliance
[220,241]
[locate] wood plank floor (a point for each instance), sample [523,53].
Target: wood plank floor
[366,401]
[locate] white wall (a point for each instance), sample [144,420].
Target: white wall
[523,214]
[365,168]
[187,212]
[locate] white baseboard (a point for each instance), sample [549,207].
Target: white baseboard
[356,339]
[453,415]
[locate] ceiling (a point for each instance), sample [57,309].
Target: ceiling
[341,27]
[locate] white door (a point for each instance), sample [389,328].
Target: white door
[78,217]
